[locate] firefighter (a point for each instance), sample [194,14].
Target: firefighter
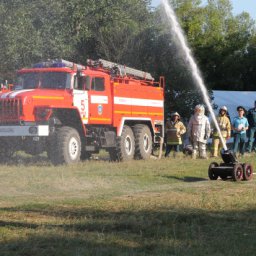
[225,129]
[199,130]
[174,129]
[240,125]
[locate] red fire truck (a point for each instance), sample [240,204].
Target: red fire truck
[71,111]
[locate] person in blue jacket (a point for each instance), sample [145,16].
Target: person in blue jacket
[240,125]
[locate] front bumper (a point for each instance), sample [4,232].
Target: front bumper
[26,130]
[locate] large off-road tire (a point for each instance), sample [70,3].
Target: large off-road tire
[211,174]
[65,146]
[143,141]
[247,171]
[237,173]
[125,145]
[6,154]
[7,149]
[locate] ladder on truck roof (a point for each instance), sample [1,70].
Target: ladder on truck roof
[122,69]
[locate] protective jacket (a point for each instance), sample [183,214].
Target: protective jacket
[199,128]
[225,127]
[174,130]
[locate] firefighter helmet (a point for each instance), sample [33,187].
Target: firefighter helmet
[175,114]
[224,108]
[199,109]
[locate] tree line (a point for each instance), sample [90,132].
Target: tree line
[137,35]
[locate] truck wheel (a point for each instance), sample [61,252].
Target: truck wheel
[247,172]
[6,154]
[237,174]
[143,141]
[125,145]
[7,149]
[211,174]
[65,146]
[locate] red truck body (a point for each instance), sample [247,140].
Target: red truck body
[72,111]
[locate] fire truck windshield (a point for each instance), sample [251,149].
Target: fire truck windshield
[47,80]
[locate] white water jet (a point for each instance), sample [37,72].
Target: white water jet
[172,19]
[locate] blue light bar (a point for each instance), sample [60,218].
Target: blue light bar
[57,63]
[38,65]
[43,64]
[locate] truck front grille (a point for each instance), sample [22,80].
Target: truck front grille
[10,110]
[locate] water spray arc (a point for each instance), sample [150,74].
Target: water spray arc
[175,26]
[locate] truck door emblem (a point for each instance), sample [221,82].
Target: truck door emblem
[100,109]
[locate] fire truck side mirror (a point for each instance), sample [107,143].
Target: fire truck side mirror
[83,82]
[162,81]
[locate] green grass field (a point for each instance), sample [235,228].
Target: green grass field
[154,207]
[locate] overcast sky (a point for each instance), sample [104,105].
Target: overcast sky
[238,5]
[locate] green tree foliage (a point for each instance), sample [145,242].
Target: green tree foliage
[221,44]
[182,93]
[76,30]
[30,31]
[107,28]
[224,46]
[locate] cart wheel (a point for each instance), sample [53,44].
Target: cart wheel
[247,171]
[237,174]
[211,174]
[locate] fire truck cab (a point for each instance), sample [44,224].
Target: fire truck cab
[71,111]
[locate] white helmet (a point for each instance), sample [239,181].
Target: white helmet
[224,108]
[199,109]
[175,114]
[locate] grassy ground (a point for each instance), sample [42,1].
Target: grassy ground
[166,207]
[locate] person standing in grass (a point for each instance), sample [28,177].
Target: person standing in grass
[174,129]
[199,130]
[225,129]
[240,125]
[251,116]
